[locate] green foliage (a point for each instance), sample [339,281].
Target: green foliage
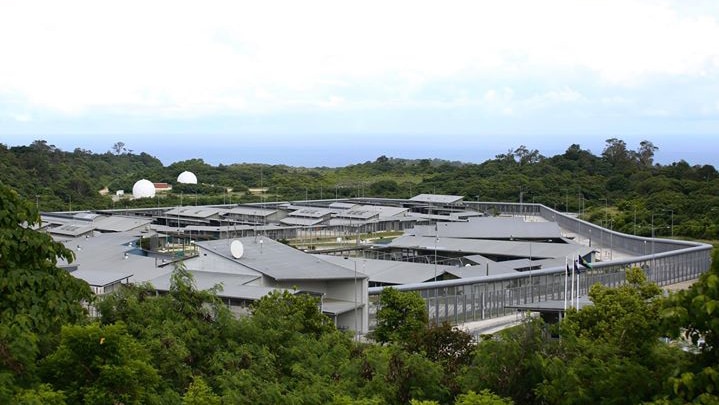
[290,313]
[625,317]
[692,314]
[401,315]
[627,178]
[611,351]
[97,364]
[485,397]
[446,346]
[42,394]
[180,329]
[199,393]
[36,297]
[347,400]
[392,374]
[510,363]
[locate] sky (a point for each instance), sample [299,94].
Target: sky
[330,83]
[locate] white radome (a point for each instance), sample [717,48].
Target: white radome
[187,178]
[143,189]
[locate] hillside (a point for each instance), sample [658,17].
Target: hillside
[622,186]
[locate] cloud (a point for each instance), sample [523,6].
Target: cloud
[22,117]
[185,59]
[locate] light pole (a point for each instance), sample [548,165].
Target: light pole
[652,242]
[606,222]
[566,199]
[606,210]
[672,226]
[635,219]
[355,288]
[611,240]
[436,236]
[531,285]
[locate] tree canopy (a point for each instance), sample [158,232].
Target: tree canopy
[623,180]
[187,347]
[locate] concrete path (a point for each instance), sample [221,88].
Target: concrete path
[493,325]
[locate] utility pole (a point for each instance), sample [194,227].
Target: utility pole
[672,223]
[436,236]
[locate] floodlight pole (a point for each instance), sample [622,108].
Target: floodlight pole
[436,236]
[672,213]
[355,307]
[652,243]
[611,240]
[531,285]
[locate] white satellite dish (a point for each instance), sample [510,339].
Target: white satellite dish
[237,249]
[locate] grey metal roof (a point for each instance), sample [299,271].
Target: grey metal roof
[86,216]
[195,212]
[491,228]
[491,247]
[301,221]
[233,285]
[481,267]
[342,205]
[389,271]
[119,223]
[347,222]
[543,263]
[466,214]
[358,213]
[311,212]
[54,220]
[252,211]
[106,253]
[437,198]
[333,306]
[99,278]
[433,217]
[480,271]
[385,211]
[278,261]
[72,230]
[223,228]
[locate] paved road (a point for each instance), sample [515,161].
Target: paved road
[684,285]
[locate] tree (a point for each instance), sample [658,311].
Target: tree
[36,297]
[289,313]
[484,397]
[610,351]
[119,147]
[393,374]
[645,153]
[510,363]
[627,316]
[199,393]
[97,364]
[526,156]
[182,330]
[446,346]
[616,153]
[401,316]
[692,314]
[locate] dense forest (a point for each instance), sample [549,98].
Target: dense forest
[633,345]
[622,188]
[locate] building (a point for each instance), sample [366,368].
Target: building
[108,260]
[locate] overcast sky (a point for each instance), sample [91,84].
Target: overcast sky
[335,82]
